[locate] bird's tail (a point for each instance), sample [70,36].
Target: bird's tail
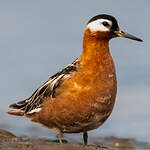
[16,112]
[18,108]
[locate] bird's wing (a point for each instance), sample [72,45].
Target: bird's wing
[33,103]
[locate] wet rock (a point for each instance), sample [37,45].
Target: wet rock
[8,141]
[6,134]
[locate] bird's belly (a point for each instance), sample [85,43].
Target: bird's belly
[78,127]
[92,110]
[81,108]
[87,115]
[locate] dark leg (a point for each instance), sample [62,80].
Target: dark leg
[85,137]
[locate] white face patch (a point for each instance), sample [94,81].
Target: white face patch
[99,25]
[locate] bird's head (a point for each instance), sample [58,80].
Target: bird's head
[106,27]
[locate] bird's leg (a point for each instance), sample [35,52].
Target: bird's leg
[85,137]
[59,136]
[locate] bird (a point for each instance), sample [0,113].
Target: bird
[81,96]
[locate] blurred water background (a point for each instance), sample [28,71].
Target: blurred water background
[38,38]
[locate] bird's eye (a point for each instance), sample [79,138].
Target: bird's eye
[106,24]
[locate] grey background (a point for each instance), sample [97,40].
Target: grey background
[38,38]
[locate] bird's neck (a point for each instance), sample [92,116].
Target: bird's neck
[95,51]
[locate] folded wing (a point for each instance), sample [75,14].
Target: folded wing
[48,89]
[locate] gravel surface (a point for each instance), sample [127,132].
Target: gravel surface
[8,141]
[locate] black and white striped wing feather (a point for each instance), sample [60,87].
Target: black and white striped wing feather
[33,103]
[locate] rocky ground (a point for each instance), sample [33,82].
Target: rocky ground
[8,141]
